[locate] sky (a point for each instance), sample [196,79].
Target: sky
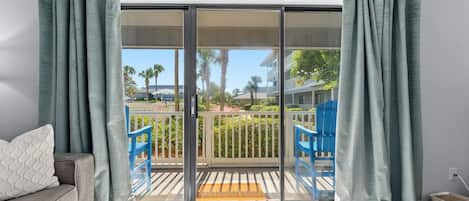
[242,65]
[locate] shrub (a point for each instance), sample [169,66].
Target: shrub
[295,109]
[240,134]
[246,128]
[256,107]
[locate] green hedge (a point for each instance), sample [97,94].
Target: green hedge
[227,133]
[229,128]
[249,129]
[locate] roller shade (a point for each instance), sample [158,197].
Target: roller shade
[253,30]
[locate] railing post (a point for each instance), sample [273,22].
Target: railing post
[208,129]
[207,133]
[289,144]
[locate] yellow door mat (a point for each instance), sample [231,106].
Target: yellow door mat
[230,192]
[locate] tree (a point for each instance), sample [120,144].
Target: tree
[157,69]
[236,92]
[318,65]
[256,80]
[176,80]
[214,93]
[229,99]
[128,71]
[206,57]
[130,88]
[223,59]
[147,75]
[213,89]
[129,84]
[252,87]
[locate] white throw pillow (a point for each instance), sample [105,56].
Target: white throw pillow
[27,163]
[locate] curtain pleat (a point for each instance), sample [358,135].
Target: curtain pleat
[81,91]
[378,133]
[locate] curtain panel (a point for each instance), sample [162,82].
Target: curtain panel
[80,86]
[379,152]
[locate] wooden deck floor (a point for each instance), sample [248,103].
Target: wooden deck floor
[168,183]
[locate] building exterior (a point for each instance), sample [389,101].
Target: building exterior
[245,98]
[305,94]
[162,92]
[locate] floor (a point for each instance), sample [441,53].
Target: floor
[168,183]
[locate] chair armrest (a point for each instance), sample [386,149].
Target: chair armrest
[78,170]
[302,130]
[139,132]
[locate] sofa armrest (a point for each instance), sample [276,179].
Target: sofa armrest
[78,170]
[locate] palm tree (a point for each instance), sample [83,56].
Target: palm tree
[157,69]
[128,71]
[223,60]
[206,57]
[236,92]
[255,80]
[250,87]
[129,84]
[176,80]
[147,75]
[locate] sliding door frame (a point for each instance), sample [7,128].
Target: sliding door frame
[190,78]
[282,103]
[190,102]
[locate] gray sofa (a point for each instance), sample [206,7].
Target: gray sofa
[76,177]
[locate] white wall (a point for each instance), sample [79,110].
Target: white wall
[445,82]
[18,66]
[445,92]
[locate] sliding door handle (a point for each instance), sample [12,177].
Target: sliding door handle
[194,109]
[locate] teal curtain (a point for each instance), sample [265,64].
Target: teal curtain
[379,151]
[80,86]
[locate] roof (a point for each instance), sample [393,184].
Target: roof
[247,96]
[164,92]
[151,88]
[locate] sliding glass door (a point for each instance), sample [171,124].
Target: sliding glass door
[238,125]
[153,70]
[311,72]
[230,92]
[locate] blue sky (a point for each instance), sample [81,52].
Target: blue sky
[242,65]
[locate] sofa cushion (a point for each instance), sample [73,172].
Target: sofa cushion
[27,163]
[63,192]
[78,170]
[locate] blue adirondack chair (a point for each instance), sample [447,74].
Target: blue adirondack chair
[140,173]
[319,146]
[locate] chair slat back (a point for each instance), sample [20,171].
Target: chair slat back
[135,169]
[326,114]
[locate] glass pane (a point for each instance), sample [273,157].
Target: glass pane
[153,68]
[238,126]
[312,57]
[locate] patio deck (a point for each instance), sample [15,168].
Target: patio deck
[237,155]
[167,184]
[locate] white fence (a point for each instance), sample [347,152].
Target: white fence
[234,139]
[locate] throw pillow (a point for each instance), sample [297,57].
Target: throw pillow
[27,163]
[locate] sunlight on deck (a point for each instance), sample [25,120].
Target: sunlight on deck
[167,184]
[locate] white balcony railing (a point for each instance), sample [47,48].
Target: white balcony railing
[235,139]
